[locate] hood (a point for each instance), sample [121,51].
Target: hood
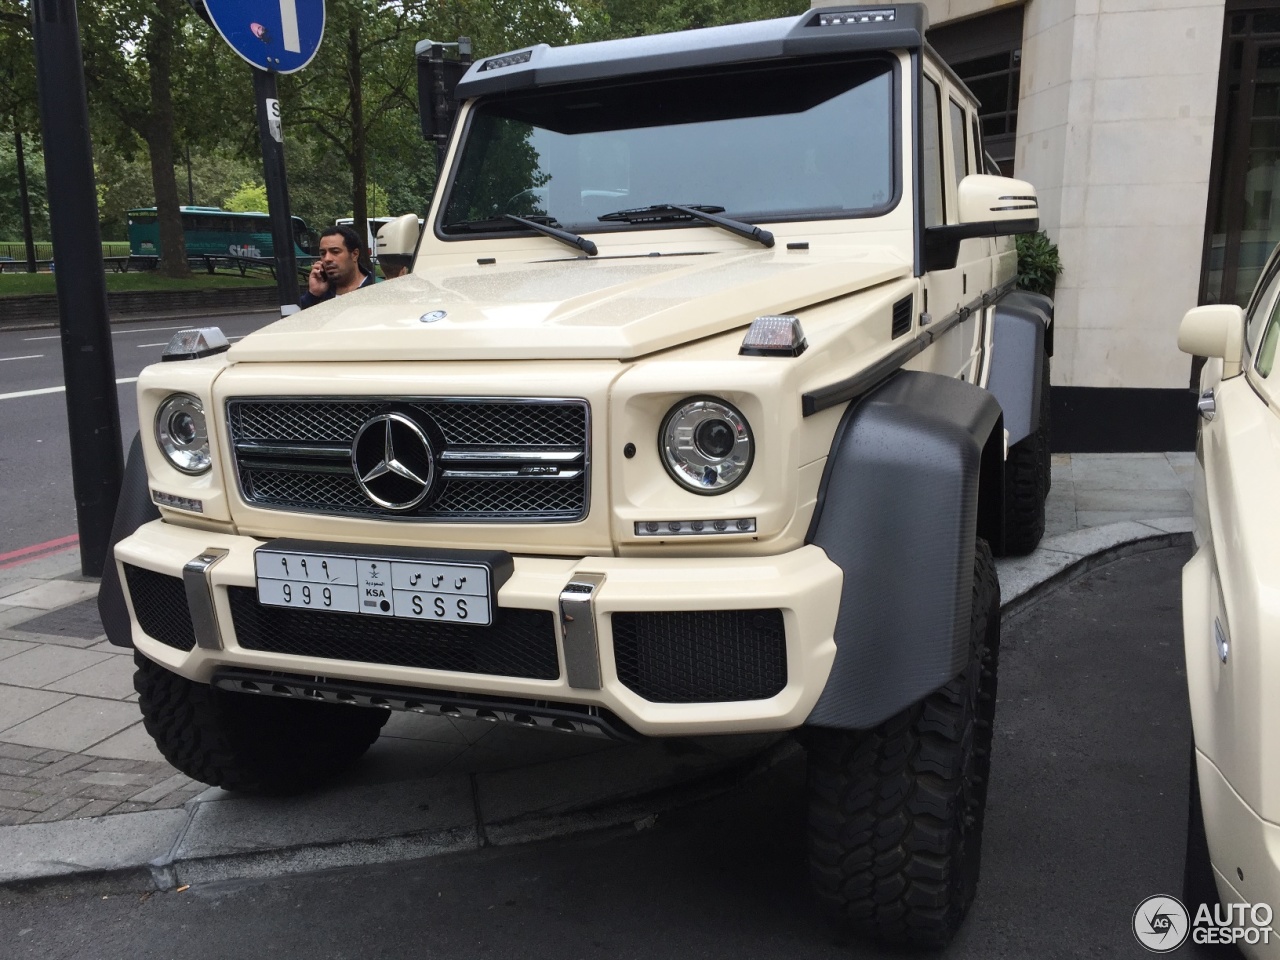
[580,308]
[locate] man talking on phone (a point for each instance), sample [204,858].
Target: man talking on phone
[338,270]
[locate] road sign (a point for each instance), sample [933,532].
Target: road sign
[277,35]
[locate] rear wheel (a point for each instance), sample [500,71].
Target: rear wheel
[1027,473]
[896,813]
[250,743]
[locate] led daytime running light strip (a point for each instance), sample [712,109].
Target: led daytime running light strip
[694,528]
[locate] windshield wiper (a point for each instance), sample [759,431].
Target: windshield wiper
[542,225]
[659,212]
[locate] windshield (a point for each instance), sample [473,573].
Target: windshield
[764,143]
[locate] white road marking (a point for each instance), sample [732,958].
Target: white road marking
[141,345]
[30,356]
[58,336]
[44,390]
[289,26]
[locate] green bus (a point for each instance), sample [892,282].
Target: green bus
[214,232]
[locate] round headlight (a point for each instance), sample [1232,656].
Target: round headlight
[706,445]
[182,433]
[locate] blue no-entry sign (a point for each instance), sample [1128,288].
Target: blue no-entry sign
[277,35]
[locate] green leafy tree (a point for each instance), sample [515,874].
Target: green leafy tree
[249,198]
[23,206]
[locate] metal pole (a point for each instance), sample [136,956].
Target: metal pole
[93,415]
[271,134]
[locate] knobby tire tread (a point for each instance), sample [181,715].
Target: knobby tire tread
[896,813]
[249,743]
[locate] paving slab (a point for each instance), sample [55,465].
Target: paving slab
[18,704]
[132,743]
[1174,501]
[74,725]
[17,586]
[10,647]
[111,678]
[45,663]
[52,594]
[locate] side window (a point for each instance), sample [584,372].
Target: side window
[959,152]
[978,150]
[931,153]
[1267,350]
[1265,308]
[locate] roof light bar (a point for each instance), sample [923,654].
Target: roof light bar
[846,18]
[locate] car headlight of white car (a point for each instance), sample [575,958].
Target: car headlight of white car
[182,433]
[706,445]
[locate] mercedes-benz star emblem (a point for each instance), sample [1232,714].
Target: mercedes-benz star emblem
[393,461]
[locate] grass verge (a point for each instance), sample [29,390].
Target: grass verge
[29,284]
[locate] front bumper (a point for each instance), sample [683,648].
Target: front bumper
[1245,851]
[803,586]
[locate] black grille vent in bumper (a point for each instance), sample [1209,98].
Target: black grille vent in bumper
[510,460]
[709,656]
[160,604]
[520,643]
[902,316]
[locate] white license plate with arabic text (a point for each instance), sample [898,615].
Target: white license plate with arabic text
[380,587]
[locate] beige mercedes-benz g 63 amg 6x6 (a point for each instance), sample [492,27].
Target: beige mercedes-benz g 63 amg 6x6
[703,410]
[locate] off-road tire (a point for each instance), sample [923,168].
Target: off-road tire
[896,813]
[1027,473]
[247,742]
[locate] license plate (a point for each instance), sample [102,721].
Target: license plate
[375,586]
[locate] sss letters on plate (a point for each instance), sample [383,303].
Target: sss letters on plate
[411,589]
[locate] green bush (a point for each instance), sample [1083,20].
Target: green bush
[1038,263]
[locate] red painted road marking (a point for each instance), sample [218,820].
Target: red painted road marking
[38,551]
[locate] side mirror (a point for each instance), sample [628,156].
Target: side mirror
[1216,330]
[989,207]
[399,237]
[1006,205]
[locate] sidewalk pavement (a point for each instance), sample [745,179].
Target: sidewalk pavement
[83,791]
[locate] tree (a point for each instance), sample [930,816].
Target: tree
[17,105]
[249,198]
[129,46]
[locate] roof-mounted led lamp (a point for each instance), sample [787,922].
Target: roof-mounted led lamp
[844,18]
[194,344]
[774,337]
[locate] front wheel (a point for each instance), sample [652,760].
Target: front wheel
[248,742]
[896,813]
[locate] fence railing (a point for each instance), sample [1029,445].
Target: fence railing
[44,250]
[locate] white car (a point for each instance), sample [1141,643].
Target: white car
[1231,610]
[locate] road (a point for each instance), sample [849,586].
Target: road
[35,454]
[1086,818]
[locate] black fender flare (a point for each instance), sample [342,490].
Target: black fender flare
[915,473]
[1018,342]
[132,511]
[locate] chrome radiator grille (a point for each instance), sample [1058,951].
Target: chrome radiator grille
[511,460]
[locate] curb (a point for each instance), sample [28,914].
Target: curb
[215,837]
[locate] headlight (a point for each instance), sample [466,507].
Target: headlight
[182,433]
[706,445]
